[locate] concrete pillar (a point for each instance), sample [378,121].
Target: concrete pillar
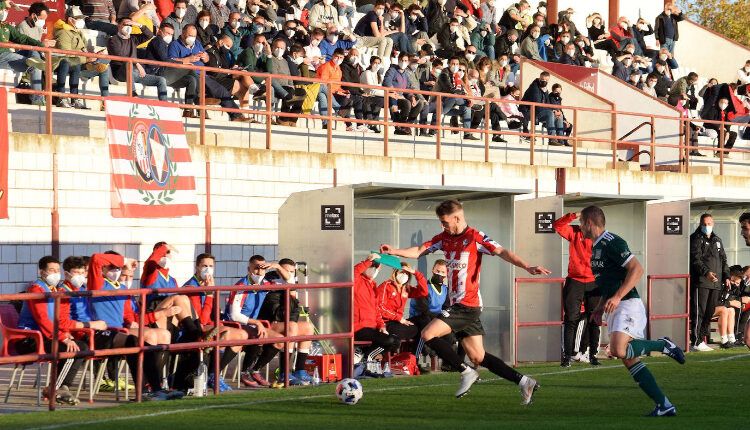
[552,11]
[614,12]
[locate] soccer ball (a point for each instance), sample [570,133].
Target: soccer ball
[349,391]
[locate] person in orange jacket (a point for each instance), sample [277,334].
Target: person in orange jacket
[368,323]
[392,296]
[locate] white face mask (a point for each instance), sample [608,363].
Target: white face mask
[402,278]
[460,19]
[441,2]
[472,81]
[328,2]
[438,72]
[394,15]
[372,272]
[723,106]
[571,53]
[652,84]
[222,2]
[190,40]
[299,60]
[314,43]
[375,67]
[581,44]
[203,23]
[180,13]
[379,12]
[164,262]
[565,40]
[256,279]
[128,283]
[235,24]
[278,52]
[627,63]
[254,9]
[80,24]
[301,3]
[52,279]
[461,74]
[39,23]
[403,65]
[663,57]
[332,39]
[167,39]
[206,272]
[471,57]
[624,25]
[113,275]
[289,32]
[454,69]
[78,280]
[503,63]
[258,47]
[353,60]
[3,15]
[125,31]
[338,62]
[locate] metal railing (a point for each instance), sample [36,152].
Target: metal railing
[576,138]
[517,325]
[649,304]
[55,354]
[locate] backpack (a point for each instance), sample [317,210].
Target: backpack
[404,363]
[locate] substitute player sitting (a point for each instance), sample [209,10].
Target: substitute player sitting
[463,247]
[617,272]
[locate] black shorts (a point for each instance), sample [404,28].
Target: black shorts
[251,330]
[463,320]
[154,302]
[273,308]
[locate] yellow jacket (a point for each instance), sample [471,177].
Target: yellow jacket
[71,39]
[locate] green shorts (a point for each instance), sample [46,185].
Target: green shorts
[463,320]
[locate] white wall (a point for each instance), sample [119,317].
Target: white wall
[726,57]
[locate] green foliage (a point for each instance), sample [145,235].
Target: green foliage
[729,18]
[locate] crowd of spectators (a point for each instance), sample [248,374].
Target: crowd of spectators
[454,47]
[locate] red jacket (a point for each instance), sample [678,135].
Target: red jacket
[391,304]
[151,267]
[39,310]
[617,34]
[366,313]
[579,262]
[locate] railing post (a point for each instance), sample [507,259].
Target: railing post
[286,334]
[217,357]
[486,131]
[129,79]
[269,101]
[52,389]
[652,163]
[575,137]
[202,104]
[141,343]
[532,139]
[439,122]
[48,89]
[329,145]
[386,117]
[688,145]
[722,136]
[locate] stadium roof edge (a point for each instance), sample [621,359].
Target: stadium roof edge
[585,199]
[431,192]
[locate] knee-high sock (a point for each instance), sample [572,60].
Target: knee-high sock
[282,364]
[646,381]
[252,352]
[639,347]
[499,368]
[269,351]
[301,358]
[445,351]
[192,329]
[226,357]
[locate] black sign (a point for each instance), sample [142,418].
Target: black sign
[332,217]
[543,222]
[673,225]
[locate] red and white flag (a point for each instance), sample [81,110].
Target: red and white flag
[152,173]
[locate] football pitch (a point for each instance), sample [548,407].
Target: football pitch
[710,391]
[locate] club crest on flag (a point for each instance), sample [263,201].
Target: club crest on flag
[151,167]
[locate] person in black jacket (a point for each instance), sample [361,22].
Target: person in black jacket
[569,56]
[666,29]
[720,112]
[350,72]
[537,93]
[124,44]
[640,30]
[709,274]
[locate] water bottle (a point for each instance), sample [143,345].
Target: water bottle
[387,368]
[316,376]
[200,380]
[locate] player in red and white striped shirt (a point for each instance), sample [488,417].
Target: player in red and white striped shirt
[464,247]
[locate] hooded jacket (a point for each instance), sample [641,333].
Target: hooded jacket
[70,38]
[707,255]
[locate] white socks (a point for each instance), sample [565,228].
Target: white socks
[724,338]
[732,338]
[523,380]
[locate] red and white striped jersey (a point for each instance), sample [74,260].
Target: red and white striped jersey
[463,253]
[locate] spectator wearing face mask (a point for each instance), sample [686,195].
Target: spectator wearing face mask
[720,112]
[416,27]
[513,114]
[176,78]
[418,68]
[69,37]
[665,56]
[404,107]
[217,11]
[483,38]
[438,14]
[324,14]
[372,98]
[599,35]
[294,34]
[312,51]
[665,82]
[621,34]
[477,89]
[452,81]
[333,41]
[546,48]
[368,322]
[684,88]
[540,21]
[351,70]
[743,75]
[340,98]
[427,83]
[650,86]
[258,9]
[566,18]
[530,44]
[254,57]
[640,30]
[142,12]
[220,57]
[537,93]
[124,45]
[562,41]
[395,29]
[392,296]
[33,26]
[516,16]
[621,67]
[453,39]
[206,32]
[635,79]
[563,126]
[295,59]
[182,15]
[371,32]
[666,27]
[569,56]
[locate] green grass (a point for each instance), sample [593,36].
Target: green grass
[710,392]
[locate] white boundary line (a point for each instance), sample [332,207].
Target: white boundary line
[319,396]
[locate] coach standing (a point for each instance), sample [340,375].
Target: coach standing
[579,285]
[708,273]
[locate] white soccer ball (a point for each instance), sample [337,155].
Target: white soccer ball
[349,391]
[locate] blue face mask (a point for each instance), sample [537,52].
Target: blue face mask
[707,229]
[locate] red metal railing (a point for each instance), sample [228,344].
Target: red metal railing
[649,304]
[55,355]
[682,145]
[519,325]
